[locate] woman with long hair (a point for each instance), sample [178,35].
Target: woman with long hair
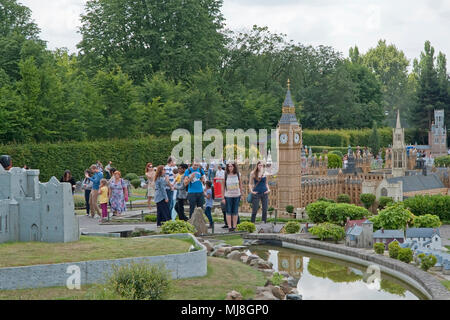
[232,190]
[161,198]
[117,193]
[150,174]
[86,185]
[67,177]
[259,187]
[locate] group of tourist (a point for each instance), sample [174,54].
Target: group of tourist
[171,186]
[104,186]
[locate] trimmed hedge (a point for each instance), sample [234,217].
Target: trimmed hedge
[127,155]
[338,212]
[344,137]
[438,205]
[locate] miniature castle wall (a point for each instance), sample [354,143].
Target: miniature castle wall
[35,211]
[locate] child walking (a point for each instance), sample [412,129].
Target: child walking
[209,203]
[103,198]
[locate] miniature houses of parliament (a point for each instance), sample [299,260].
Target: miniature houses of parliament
[302,179]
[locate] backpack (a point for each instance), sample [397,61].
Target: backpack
[191,171]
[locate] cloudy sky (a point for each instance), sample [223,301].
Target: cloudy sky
[337,23]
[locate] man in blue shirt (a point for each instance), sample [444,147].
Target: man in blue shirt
[96,177]
[194,178]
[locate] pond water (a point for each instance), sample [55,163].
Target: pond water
[323,278]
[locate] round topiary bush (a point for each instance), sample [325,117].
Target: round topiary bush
[246,226]
[316,211]
[140,281]
[290,209]
[394,248]
[131,176]
[338,212]
[136,183]
[334,161]
[383,202]
[367,199]
[379,247]
[328,231]
[405,255]
[292,227]
[343,198]
[427,261]
[177,226]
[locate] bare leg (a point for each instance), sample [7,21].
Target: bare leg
[235,219]
[229,221]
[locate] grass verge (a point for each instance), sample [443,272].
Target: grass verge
[88,248]
[223,276]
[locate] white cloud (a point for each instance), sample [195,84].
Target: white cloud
[337,23]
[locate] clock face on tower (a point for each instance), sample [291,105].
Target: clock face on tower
[296,138]
[283,138]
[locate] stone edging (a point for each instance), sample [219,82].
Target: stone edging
[421,280]
[182,265]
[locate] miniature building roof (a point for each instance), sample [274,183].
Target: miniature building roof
[288,100]
[387,234]
[352,223]
[418,183]
[422,232]
[288,118]
[354,231]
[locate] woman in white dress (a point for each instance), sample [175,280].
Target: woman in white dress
[150,174]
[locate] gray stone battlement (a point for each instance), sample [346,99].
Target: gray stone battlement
[35,211]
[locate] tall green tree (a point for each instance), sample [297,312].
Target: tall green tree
[176,37]
[428,91]
[391,67]
[374,140]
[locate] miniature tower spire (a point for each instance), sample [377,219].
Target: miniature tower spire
[398,126]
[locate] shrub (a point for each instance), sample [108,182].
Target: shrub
[376,222]
[427,261]
[246,226]
[150,218]
[292,227]
[438,205]
[334,161]
[343,198]
[338,153]
[328,231]
[367,199]
[405,255]
[141,281]
[338,212]
[443,161]
[276,279]
[131,176]
[290,209]
[395,217]
[316,211]
[136,183]
[326,200]
[394,248]
[177,226]
[383,202]
[427,221]
[379,247]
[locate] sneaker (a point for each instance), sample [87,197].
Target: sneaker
[96,216]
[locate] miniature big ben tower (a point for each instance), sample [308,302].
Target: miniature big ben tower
[289,135]
[398,150]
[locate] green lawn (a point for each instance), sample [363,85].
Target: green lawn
[88,248]
[223,276]
[446,283]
